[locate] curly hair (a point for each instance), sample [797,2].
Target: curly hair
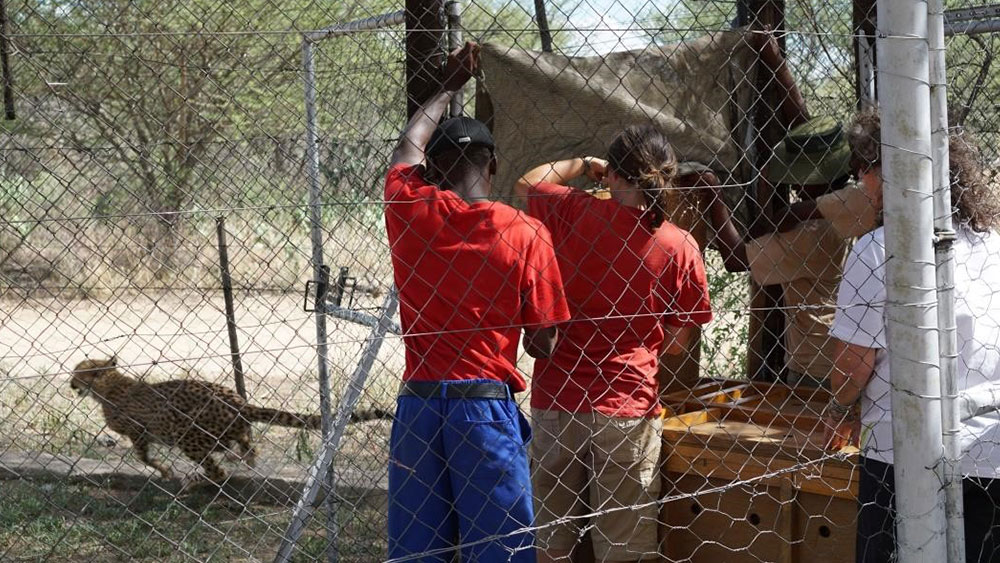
[973,199]
[865,139]
[642,155]
[974,202]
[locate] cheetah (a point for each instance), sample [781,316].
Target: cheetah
[198,417]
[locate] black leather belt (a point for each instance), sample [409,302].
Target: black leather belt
[436,390]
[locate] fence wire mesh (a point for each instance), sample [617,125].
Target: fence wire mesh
[143,127]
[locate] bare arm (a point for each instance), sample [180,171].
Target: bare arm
[852,370]
[540,342]
[676,339]
[462,65]
[414,139]
[558,172]
[792,105]
[728,241]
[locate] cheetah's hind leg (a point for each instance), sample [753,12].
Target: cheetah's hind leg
[141,447]
[203,457]
[247,452]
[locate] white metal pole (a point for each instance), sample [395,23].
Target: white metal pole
[911,307]
[376,22]
[316,227]
[944,255]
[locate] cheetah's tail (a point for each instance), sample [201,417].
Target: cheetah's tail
[280,418]
[296,420]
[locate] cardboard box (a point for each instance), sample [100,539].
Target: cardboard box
[748,479]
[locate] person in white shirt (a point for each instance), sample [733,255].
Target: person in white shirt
[861,367]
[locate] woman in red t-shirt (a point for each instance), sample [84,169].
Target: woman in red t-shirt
[635,284]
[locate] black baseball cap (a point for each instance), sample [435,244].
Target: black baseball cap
[459,133]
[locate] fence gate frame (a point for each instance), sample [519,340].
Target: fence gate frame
[321,473]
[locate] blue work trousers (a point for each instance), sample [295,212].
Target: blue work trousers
[458,476]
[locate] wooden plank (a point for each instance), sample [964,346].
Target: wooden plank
[721,402]
[707,462]
[685,421]
[821,484]
[706,386]
[826,528]
[752,411]
[764,454]
[740,392]
[744,524]
[764,445]
[786,520]
[725,394]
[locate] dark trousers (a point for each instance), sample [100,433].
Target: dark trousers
[876,516]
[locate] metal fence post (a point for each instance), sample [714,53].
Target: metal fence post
[316,230]
[911,313]
[227,292]
[944,255]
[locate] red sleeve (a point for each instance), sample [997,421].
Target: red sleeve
[402,180]
[554,205]
[683,287]
[543,303]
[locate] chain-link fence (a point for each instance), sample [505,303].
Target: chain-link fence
[195,193]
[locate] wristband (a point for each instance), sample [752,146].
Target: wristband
[839,411]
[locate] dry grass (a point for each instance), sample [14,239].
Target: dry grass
[104,259]
[58,522]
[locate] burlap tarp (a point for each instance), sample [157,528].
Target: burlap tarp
[547,106]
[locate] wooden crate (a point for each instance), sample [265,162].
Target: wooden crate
[745,466]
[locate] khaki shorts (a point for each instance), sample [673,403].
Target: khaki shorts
[587,462]
[795,378]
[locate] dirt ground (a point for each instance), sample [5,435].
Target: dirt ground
[159,337]
[47,430]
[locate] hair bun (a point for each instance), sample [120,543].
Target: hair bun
[669,169]
[662,175]
[643,155]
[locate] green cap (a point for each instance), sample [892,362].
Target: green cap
[815,152]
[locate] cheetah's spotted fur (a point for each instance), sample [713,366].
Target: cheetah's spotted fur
[200,418]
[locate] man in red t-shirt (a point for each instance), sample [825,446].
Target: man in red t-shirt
[471,273]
